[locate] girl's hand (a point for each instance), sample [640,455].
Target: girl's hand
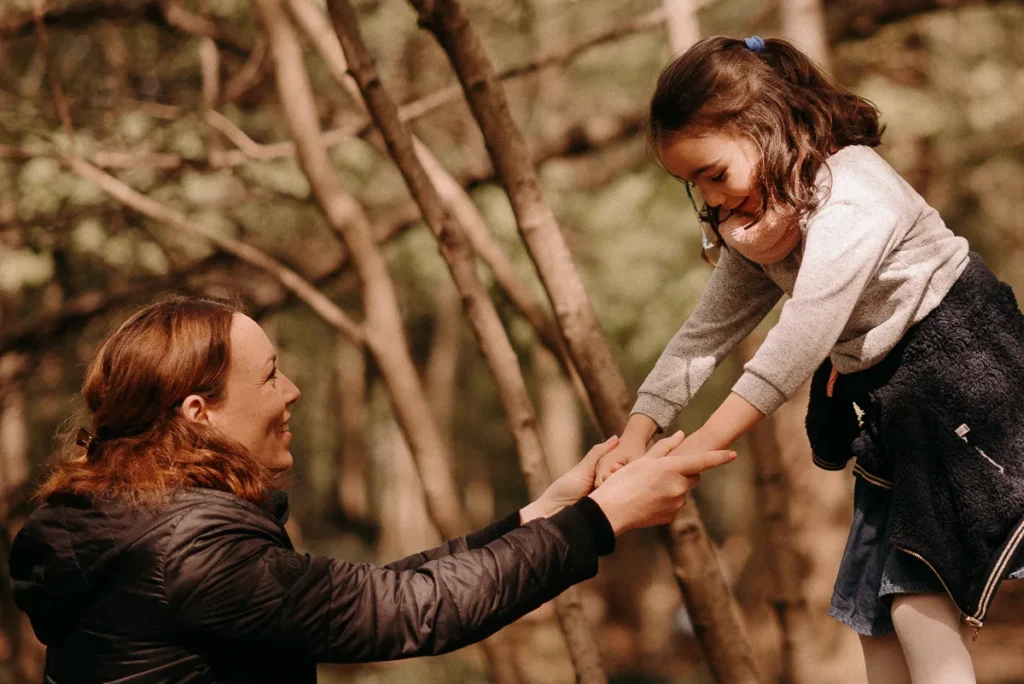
[626,451]
[651,490]
[632,445]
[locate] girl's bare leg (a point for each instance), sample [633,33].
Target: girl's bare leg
[934,645]
[884,659]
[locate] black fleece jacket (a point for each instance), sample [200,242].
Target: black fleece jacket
[939,421]
[207,588]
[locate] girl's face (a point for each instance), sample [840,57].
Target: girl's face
[720,166]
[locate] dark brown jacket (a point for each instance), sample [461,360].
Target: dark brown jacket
[207,588]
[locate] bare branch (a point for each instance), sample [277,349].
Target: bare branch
[187,22]
[854,19]
[58,93]
[544,240]
[803,23]
[209,61]
[454,196]
[291,280]
[385,336]
[250,73]
[723,639]
[491,336]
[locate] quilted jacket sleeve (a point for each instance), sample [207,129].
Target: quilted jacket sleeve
[466,543]
[231,577]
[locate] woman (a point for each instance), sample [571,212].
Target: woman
[160,555]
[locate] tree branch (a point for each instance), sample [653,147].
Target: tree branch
[453,194]
[727,650]
[492,339]
[385,336]
[291,280]
[544,240]
[856,19]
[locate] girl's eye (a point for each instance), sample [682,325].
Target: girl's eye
[719,178]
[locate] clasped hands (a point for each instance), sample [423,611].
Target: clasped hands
[637,488]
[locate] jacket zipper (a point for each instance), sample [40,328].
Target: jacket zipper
[969,619]
[1000,568]
[977,620]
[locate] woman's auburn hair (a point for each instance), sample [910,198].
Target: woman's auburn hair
[778,98]
[144,446]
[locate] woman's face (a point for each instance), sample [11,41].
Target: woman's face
[720,165]
[254,410]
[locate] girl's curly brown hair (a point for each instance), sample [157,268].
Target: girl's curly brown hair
[778,98]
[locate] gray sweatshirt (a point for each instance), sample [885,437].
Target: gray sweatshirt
[874,260]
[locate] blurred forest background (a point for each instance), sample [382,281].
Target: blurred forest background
[145,147]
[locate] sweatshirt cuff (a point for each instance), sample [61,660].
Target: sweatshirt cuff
[481,538]
[661,411]
[763,395]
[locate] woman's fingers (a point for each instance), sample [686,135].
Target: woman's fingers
[698,462]
[665,446]
[599,450]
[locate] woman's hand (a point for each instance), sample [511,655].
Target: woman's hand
[570,487]
[651,490]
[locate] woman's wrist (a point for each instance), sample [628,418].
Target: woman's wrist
[613,511]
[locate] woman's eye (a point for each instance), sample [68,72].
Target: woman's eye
[719,178]
[273,378]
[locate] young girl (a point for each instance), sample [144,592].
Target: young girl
[919,350]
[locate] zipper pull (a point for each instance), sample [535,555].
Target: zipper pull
[976,624]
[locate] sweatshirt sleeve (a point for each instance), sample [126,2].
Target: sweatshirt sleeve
[737,297]
[845,242]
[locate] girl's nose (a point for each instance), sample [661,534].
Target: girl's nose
[714,199]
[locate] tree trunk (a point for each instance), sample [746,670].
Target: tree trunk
[21,654]
[559,415]
[497,349]
[774,496]
[683,27]
[454,196]
[803,23]
[352,495]
[443,361]
[712,608]
[385,335]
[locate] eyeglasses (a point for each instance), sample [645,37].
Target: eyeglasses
[710,243]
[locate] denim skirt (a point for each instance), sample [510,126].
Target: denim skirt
[872,571]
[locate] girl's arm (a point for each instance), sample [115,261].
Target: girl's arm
[737,297]
[730,421]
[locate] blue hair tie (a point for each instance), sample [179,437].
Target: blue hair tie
[754,43]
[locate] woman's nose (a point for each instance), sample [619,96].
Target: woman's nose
[292,392]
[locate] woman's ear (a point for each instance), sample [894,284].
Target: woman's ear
[194,408]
